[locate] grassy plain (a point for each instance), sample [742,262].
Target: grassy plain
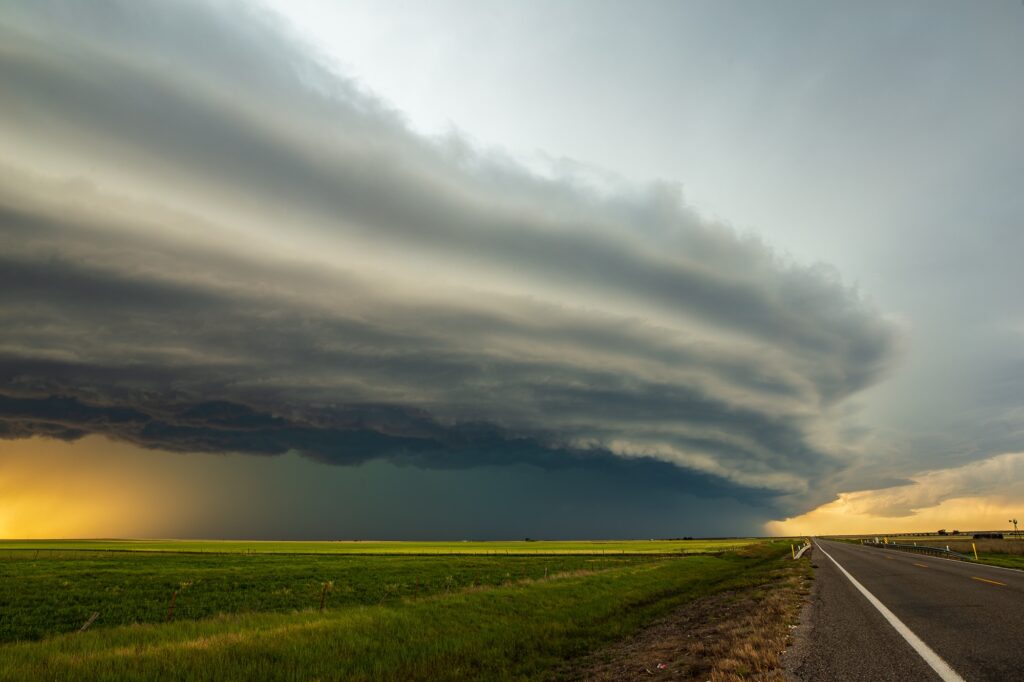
[255,616]
[55,592]
[525,547]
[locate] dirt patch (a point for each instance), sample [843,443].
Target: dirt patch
[736,635]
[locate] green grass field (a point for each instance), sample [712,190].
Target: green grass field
[1004,560]
[50,593]
[385,547]
[256,616]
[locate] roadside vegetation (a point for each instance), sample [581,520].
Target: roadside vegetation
[523,547]
[737,635]
[396,617]
[1008,552]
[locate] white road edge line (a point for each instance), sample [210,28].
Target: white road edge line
[942,668]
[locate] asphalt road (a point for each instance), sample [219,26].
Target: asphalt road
[970,615]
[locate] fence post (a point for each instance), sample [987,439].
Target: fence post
[92,619]
[170,608]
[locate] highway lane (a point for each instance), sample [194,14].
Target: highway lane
[970,615]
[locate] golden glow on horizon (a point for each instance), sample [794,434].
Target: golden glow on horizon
[56,489]
[978,495]
[844,516]
[99,488]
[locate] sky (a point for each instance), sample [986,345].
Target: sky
[494,270]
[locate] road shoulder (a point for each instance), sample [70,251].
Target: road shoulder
[735,635]
[800,645]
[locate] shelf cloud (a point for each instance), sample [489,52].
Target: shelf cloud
[214,242]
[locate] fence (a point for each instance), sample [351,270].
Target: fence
[920,549]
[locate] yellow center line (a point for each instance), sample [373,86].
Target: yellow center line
[986,580]
[921,565]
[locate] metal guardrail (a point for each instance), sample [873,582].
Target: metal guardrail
[799,551]
[920,549]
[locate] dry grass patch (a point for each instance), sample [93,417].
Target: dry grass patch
[993,546]
[735,635]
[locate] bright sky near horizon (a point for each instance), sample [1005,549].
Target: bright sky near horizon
[456,269]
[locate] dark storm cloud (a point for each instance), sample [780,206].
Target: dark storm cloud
[398,190]
[256,257]
[351,436]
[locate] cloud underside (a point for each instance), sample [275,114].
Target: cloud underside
[979,495]
[996,478]
[212,242]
